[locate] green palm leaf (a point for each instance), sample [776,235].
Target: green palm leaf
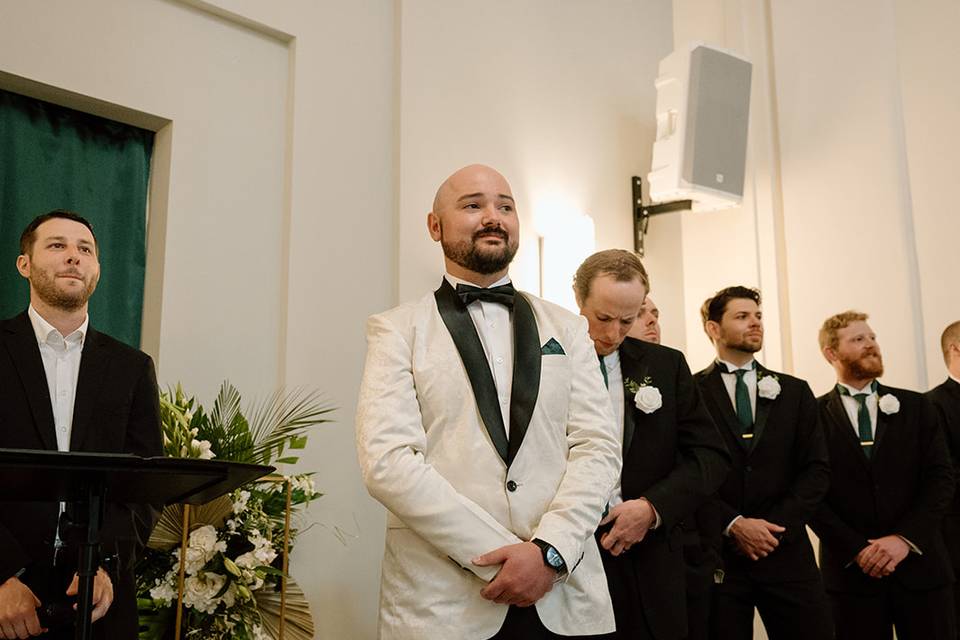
[282,420]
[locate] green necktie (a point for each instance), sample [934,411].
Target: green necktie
[864,426]
[603,370]
[742,397]
[744,411]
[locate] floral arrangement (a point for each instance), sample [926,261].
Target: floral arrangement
[233,562]
[768,386]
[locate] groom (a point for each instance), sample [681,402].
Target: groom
[484,427]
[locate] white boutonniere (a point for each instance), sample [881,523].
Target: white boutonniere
[646,397]
[889,404]
[768,387]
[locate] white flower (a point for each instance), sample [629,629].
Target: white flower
[200,591]
[204,538]
[240,504]
[648,399]
[889,404]
[768,387]
[165,590]
[202,447]
[201,547]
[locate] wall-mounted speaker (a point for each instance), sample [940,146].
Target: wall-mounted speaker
[703,107]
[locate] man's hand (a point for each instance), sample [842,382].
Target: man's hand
[523,579]
[881,556]
[18,611]
[102,593]
[631,521]
[755,536]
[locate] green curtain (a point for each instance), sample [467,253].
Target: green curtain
[57,158]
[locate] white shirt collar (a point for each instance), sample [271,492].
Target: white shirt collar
[954,378]
[867,390]
[42,329]
[454,281]
[728,367]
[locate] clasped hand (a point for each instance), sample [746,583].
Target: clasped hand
[881,557]
[523,579]
[18,605]
[755,537]
[631,522]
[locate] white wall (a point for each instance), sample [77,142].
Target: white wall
[557,95]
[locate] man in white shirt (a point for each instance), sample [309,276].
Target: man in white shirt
[484,428]
[778,478]
[883,557]
[67,387]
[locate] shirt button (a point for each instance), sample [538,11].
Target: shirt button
[511,486]
[499,360]
[493,325]
[63,429]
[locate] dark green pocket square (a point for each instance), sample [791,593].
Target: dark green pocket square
[552,348]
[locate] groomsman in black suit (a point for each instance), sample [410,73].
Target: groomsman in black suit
[946,399]
[673,456]
[779,476]
[883,557]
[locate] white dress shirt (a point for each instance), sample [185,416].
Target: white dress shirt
[853,407]
[615,389]
[61,364]
[495,328]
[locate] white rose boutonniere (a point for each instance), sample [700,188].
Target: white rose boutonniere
[646,397]
[889,404]
[768,387]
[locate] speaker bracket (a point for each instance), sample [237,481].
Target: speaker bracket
[642,213]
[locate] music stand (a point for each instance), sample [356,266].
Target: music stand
[89,479]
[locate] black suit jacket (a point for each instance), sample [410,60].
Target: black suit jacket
[675,458]
[946,399]
[780,475]
[904,489]
[116,410]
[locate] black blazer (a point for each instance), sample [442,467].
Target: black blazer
[116,410]
[904,488]
[946,400]
[780,475]
[675,458]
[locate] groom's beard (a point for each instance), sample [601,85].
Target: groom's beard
[471,255]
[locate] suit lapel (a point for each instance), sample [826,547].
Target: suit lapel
[464,334]
[93,365]
[526,373]
[883,420]
[841,420]
[764,406]
[716,388]
[631,358]
[22,344]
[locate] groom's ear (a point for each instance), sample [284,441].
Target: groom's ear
[434,226]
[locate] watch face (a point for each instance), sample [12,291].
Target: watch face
[553,558]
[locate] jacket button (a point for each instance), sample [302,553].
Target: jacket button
[748,468]
[511,486]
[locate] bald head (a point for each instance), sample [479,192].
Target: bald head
[462,181]
[475,221]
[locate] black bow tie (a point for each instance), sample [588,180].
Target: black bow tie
[503,294]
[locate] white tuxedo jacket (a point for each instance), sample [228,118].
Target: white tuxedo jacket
[428,456]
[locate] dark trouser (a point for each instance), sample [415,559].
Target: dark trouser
[917,615]
[523,623]
[789,610]
[627,607]
[699,598]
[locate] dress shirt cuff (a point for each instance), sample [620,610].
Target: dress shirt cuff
[726,531]
[656,514]
[913,548]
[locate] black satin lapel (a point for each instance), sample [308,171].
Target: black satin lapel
[842,422]
[630,367]
[722,398]
[526,373]
[764,406]
[22,344]
[458,322]
[883,420]
[93,366]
